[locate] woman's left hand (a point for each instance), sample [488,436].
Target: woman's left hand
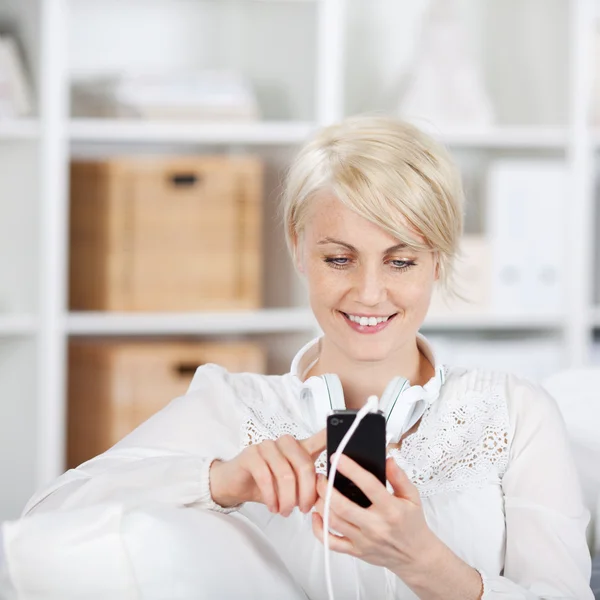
[391,533]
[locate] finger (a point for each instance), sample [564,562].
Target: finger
[304,468]
[336,543]
[371,487]
[285,478]
[336,522]
[315,444]
[345,508]
[263,478]
[402,485]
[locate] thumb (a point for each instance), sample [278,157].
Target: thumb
[315,444]
[402,485]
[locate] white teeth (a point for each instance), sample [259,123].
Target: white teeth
[367,321]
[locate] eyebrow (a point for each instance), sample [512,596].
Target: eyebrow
[350,247]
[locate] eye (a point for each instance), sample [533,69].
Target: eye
[337,262]
[402,265]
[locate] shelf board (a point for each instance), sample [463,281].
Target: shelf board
[116,131]
[491,322]
[19,129]
[294,132]
[17,325]
[503,137]
[273,320]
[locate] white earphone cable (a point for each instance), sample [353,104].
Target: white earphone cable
[371,405]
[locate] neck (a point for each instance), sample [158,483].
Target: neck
[361,379]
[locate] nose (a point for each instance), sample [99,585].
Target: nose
[370,286]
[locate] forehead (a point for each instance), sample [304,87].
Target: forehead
[328,217]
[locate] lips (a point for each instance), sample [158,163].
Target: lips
[371,321]
[366,324]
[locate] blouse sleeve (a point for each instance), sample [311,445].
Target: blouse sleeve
[78,519]
[546,557]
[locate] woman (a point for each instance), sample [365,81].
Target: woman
[484,500]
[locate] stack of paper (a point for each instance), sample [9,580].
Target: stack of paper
[201,95]
[15,92]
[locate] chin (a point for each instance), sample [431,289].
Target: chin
[368,357]
[369,352]
[365,348]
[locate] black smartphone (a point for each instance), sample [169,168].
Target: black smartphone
[366,447]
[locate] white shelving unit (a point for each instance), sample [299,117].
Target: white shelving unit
[309,63]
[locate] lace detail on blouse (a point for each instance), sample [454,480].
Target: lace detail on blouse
[462,440]
[262,424]
[264,420]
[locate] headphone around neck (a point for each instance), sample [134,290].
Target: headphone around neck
[402,404]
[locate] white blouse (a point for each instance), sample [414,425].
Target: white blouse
[490,459]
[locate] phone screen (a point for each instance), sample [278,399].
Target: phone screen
[366,447]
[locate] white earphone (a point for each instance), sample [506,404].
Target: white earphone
[402,404]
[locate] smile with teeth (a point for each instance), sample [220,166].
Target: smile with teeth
[367,321]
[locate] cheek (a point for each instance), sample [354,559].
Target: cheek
[323,284]
[414,292]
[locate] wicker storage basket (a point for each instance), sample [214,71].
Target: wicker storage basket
[166,234]
[115,386]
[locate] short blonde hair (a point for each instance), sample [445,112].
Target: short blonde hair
[390,173]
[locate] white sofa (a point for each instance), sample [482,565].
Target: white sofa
[577,392]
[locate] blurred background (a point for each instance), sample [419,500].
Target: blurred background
[143,145]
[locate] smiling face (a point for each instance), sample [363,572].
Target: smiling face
[369,292]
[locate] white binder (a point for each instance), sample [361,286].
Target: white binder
[526,202]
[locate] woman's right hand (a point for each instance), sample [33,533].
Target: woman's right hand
[278,473]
